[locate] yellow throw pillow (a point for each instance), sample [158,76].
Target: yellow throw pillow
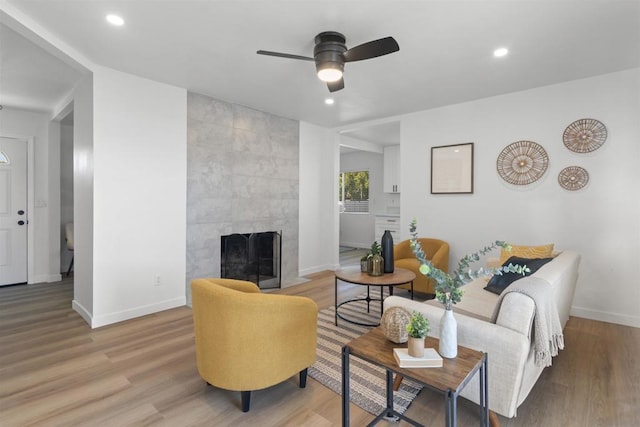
[530,252]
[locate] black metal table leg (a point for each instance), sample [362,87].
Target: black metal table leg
[345,386]
[368,298]
[454,410]
[390,414]
[335,301]
[447,408]
[484,393]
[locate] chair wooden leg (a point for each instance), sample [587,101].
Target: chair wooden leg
[493,419]
[397,382]
[303,378]
[70,266]
[246,400]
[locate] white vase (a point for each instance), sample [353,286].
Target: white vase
[448,335]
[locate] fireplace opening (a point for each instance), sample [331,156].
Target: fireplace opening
[254,257]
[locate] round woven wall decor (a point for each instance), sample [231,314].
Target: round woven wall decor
[584,135]
[573,178]
[522,162]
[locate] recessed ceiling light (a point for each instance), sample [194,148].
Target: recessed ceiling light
[329,101]
[500,52]
[115,20]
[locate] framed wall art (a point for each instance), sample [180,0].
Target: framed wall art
[452,169]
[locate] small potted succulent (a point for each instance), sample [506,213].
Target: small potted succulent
[417,328]
[364,263]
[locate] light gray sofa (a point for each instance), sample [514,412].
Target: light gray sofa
[508,342]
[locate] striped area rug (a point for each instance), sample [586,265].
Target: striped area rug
[368,382]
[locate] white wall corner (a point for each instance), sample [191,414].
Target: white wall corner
[82,311]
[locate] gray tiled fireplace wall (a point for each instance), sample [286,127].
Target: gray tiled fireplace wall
[242,177]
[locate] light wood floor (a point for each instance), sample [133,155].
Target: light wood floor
[55,370]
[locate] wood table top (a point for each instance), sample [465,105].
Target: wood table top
[399,276]
[453,375]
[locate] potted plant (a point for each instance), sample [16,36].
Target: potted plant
[417,328]
[364,263]
[375,260]
[448,290]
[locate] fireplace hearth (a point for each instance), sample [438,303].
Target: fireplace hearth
[254,257]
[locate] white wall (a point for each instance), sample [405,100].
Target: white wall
[319,157]
[53,200]
[139,196]
[83,198]
[28,124]
[601,221]
[66,191]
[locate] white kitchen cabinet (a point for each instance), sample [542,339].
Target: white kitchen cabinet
[387,222]
[391,179]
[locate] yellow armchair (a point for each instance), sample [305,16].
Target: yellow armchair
[247,340]
[437,251]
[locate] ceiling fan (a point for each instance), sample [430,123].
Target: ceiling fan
[330,54]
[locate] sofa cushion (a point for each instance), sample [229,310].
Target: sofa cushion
[499,282]
[530,252]
[475,301]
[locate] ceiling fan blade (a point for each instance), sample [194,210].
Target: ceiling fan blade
[371,49]
[284,55]
[336,86]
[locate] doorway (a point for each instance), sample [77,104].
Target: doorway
[66,190]
[363,149]
[13,211]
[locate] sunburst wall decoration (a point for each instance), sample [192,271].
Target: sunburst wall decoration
[522,162]
[584,135]
[573,178]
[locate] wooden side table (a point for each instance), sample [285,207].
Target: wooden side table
[400,276]
[449,380]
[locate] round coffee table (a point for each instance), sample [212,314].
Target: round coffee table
[400,276]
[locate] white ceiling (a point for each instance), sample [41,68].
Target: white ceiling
[209,47]
[31,78]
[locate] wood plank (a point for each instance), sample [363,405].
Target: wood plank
[55,370]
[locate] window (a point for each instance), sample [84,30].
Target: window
[354,191]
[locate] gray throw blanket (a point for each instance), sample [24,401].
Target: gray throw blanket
[547,329]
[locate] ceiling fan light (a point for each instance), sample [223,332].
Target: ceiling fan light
[329,75]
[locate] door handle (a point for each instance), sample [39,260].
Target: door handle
[20,212]
[21,222]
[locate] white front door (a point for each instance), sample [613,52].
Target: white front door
[13,211]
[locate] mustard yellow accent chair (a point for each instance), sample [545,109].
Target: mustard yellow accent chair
[247,340]
[437,251]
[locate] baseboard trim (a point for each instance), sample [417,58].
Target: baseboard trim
[120,316]
[316,269]
[603,316]
[356,245]
[46,278]
[83,312]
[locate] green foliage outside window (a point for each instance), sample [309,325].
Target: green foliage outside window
[354,191]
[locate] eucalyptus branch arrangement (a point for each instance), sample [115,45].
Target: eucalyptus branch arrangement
[448,290]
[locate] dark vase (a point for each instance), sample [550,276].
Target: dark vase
[387,251]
